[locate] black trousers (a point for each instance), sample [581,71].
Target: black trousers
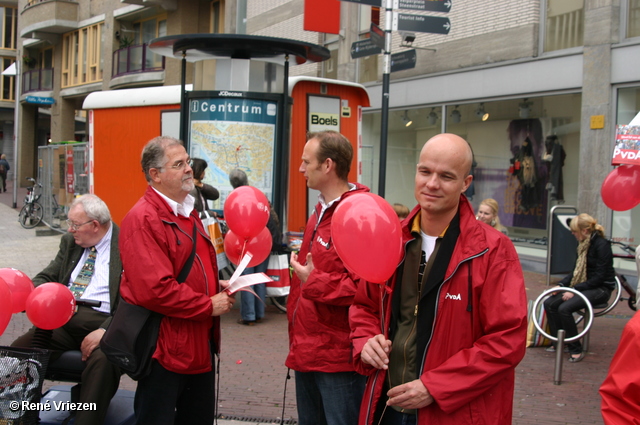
[100,378]
[560,313]
[168,398]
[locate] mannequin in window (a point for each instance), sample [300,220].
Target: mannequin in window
[554,157]
[524,167]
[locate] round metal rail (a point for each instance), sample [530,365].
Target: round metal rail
[587,325]
[610,306]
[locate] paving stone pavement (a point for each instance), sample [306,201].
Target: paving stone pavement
[252,372]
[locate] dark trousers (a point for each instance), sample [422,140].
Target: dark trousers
[329,398]
[561,313]
[168,398]
[100,378]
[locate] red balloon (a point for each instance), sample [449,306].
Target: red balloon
[20,286]
[621,188]
[5,305]
[246,211]
[259,247]
[367,235]
[50,305]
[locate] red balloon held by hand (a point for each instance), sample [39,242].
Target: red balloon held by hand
[20,286]
[259,247]
[367,235]
[246,211]
[621,188]
[5,305]
[50,305]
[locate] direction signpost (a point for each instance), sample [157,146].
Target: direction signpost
[377,35]
[375,3]
[421,23]
[363,48]
[380,40]
[423,5]
[403,60]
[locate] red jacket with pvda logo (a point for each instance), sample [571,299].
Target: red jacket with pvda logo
[479,330]
[318,310]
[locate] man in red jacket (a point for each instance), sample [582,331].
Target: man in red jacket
[452,328]
[156,241]
[328,390]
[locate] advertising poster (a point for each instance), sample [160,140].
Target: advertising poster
[627,149]
[232,131]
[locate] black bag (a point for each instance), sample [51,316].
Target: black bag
[131,338]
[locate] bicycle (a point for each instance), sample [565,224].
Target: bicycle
[630,255]
[31,213]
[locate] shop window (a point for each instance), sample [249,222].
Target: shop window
[524,198]
[564,24]
[625,225]
[8,27]
[82,61]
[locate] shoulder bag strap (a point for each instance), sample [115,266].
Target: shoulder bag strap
[187,266]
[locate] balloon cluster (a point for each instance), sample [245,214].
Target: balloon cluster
[48,306]
[367,235]
[246,211]
[621,188]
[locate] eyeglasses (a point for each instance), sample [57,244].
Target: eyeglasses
[181,164]
[73,226]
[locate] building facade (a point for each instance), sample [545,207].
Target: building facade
[536,86]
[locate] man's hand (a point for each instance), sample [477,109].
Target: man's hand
[376,352]
[90,343]
[412,395]
[222,303]
[302,272]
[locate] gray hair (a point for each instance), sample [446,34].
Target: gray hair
[238,178]
[153,153]
[93,207]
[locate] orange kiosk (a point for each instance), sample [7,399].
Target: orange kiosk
[320,104]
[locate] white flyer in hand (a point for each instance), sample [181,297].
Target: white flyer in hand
[242,283]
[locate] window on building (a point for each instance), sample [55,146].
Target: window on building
[145,31]
[8,27]
[6,83]
[633,23]
[564,26]
[217,17]
[368,66]
[82,61]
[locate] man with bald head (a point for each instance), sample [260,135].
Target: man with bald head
[452,329]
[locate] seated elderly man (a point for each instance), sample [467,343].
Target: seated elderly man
[88,262]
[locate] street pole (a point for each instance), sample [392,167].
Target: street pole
[384,114]
[16,126]
[184,112]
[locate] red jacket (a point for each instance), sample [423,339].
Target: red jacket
[318,310]
[469,364]
[620,390]
[154,245]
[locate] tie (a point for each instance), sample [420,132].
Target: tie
[84,277]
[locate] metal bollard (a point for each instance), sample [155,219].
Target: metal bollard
[557,373]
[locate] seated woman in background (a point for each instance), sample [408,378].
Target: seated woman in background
[593,276]
[488,213]
[202,192]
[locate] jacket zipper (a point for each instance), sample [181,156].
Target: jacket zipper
[435,316]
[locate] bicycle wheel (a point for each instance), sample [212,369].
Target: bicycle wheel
[280,303]
[30,215]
